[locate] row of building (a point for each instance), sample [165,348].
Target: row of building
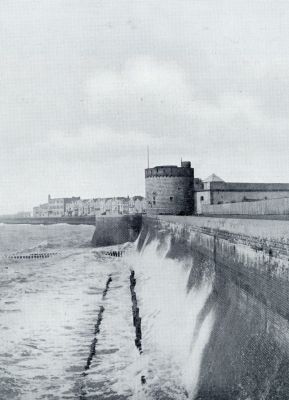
[75,206]
[175,190]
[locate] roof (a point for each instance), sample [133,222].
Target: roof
[138,198]
[213,178]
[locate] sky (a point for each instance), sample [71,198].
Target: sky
[87,85]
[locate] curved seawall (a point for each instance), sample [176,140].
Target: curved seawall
[236,304]
[112,230]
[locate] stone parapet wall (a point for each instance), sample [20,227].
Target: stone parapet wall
[169,170]
[261,207]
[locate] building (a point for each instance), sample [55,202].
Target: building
[76,207]
[170,189]
[54,208]
[123,205]
[41,211]
[174,190]
[215,190]
[57,206]
[138,205]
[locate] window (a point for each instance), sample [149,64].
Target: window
[202,198]
[171,198]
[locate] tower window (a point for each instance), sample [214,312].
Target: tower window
[171,198]
[202,198]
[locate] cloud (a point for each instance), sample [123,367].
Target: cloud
[140,96]
[85,86]
[92,142]
[157,99]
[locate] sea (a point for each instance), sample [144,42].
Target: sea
[67,326]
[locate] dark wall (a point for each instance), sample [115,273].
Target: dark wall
[116,230]
[247,356]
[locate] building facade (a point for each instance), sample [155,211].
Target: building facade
[76,207]
[215,190]
[41,211]
[55,207]
[170,189]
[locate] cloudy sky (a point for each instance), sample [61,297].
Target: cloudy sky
[86,85]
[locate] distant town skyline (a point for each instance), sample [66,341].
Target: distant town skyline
[86,85]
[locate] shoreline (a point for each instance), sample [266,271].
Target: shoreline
[84,220]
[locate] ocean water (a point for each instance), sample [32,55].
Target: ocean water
[66,323]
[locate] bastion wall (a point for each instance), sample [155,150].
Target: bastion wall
[116,229]
[247,355]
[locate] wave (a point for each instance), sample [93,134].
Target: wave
[29,238]
[176,320]
[40,246]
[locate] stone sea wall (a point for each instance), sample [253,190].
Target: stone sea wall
[116,230]
[247,356]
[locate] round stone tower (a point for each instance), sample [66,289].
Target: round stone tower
[170,189]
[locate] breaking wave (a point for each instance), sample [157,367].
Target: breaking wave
[176,321]
[140,322]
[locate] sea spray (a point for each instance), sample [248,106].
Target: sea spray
[70,289]
[175,329]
